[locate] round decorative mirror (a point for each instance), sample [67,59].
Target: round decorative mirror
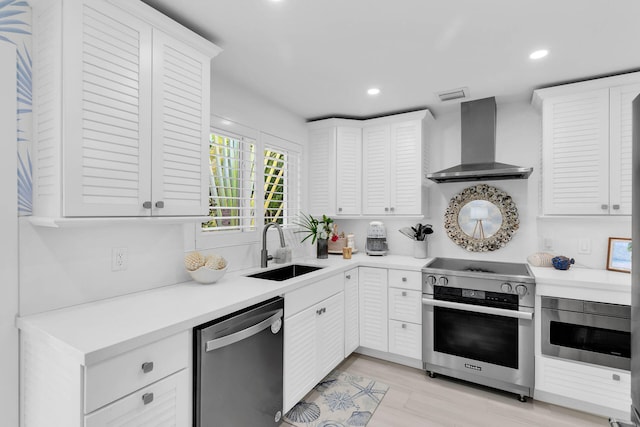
[481,218]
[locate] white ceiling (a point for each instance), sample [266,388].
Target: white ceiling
[316,58]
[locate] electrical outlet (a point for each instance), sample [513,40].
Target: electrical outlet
[548,243]
[119,259]
[584,246]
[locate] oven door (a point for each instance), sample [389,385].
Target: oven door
[469,341]
[586,337]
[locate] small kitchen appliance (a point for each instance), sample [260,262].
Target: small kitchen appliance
[376,239]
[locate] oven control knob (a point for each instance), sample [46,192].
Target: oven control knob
[443,281]
[431,280]
[506,287]
[521,290]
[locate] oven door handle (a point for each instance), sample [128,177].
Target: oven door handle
[478,309]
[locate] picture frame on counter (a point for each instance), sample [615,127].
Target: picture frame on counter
[619,254]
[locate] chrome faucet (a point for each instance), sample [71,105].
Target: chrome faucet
[283,254]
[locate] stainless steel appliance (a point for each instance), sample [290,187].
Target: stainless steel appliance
[238,368]
[376,239]
[587,331]
[478,323]
[635,268]
[478,134]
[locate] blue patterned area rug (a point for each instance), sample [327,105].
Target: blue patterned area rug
[339,400]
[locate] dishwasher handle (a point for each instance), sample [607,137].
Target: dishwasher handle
[275,320]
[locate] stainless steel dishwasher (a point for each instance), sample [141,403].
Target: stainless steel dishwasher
[238,368]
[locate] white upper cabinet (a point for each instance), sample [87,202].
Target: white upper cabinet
[367,167]
[122,111]
[587,146]
[349,171]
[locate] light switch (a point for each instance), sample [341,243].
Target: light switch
[584,246]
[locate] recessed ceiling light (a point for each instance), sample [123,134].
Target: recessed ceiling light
[539,54]
[373,91]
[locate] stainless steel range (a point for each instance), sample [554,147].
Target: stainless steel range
[478,323]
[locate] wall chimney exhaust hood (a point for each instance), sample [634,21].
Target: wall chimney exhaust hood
[478,134]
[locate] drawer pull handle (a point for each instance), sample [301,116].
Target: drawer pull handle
[404,293]
[147,205]
[147,398]
[615,377]
[404,326]
[348,276]
[616,207]
[160,204]
[404,279]
[603,206]
[147,367]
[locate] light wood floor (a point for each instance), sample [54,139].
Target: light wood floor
[414,400]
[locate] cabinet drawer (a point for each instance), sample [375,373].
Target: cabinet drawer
[588,383]
[164,403]
[405,279]
[405,339]
[405,305]
[309,295]
[113,378]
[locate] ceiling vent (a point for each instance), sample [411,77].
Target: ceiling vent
[453,94]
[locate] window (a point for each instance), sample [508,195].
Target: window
[232,163]
[281,182]
[240,200]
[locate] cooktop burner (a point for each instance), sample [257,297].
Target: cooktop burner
[477,268]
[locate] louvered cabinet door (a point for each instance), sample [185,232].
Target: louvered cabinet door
[620,148]
[180,132]
[576,154]
[351,320]
[373,308]
[376,186]
[406,165]
[299,356]
[349,171]
[330,332]
[107,109]
[321,167]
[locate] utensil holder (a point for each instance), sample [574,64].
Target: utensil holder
[420,248]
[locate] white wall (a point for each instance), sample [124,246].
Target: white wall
[68,266]
[9,239]
[518,142]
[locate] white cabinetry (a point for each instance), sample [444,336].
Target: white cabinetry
[585,387]
[373,308]
[393,168]
[151,382]
[335,167]
[587,146]
[122,100]
[351,320]
[367,166]
[313,336]
[405,313]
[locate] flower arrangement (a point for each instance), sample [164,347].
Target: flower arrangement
[314,228]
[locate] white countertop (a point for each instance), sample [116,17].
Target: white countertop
[99,330]
[584,283]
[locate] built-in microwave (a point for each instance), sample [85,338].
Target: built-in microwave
[587,331]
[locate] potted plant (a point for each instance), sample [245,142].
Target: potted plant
[317,230]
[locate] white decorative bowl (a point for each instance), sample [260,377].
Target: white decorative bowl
[207,275]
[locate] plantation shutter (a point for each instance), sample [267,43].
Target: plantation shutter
[281,181]
[232,169]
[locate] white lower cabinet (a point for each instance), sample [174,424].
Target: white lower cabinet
[351,320]
[582,386]
[148,385]
[373,308]
[313,336]
[405,313]
[164,403]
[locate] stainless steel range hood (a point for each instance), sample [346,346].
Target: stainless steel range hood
[478,134]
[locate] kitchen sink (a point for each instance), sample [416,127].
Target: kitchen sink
[284,273]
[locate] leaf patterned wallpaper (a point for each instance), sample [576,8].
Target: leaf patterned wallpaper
[15,28]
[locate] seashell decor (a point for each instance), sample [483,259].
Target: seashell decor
[540,259]
[205,269]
